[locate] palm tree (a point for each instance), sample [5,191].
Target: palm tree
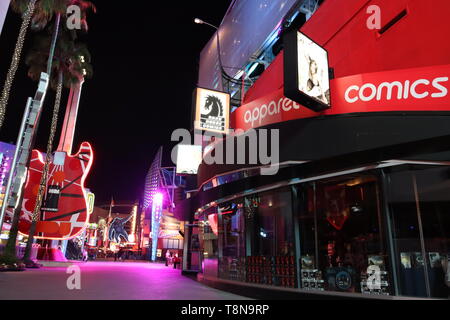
[44,12]
[38,13]
[70,64]
[27,8]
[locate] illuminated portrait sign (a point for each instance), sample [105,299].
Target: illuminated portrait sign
[189,158]
[306,72]
[212,110]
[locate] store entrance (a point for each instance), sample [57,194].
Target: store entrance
[341,236]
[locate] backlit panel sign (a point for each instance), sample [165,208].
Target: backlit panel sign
[306,72]
[212,111]
[189,158]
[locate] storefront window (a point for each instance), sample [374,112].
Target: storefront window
[341,236]
[406,234]
[232,242]
[433,187]
[206,242]
[270,238]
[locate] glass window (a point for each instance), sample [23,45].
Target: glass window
[341,236]
[406,234]
[270,238]
[204,245]
[433,187]
[232,242]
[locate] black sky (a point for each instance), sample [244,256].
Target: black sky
[145,56]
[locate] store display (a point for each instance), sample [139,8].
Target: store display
[379,283]
[312,280]
[435,259]
[382,289]
[341,279]
[232,268]
[418,260]
[278,271]
[405,258]
[376,261]
[307,262]
[336,207]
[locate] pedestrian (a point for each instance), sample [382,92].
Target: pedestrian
[167,258]
[176,261]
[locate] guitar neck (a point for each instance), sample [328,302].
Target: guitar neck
[70,118]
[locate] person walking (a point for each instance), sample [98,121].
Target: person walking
[167,258]
[176,261]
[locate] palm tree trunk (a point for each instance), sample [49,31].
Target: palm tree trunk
[48,159]
[53,45]
[37,208]
[15,60]
[10,248]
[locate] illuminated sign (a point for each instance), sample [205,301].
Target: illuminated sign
[189,157]
[212,110]
[90,202]
[306,72]
[157,206]
[117,230]
[64,215]
[415,89]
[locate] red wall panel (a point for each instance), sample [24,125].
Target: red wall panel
[417,40]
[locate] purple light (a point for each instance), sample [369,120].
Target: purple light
[156,219]
[158,198]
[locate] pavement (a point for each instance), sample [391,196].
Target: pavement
[106,281]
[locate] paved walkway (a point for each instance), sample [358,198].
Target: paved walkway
[108,281]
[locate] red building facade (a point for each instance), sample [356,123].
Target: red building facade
[359,205]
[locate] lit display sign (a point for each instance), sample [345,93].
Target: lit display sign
[306,72]
[212,110]
[90,202]
[189,157]
[157,207]
[415,89]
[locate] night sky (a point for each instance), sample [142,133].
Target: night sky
[145,56]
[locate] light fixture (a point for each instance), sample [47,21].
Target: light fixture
[200,21]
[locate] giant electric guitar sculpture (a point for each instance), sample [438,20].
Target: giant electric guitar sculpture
[64,209]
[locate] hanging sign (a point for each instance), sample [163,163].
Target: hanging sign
[306,72]
[212,110]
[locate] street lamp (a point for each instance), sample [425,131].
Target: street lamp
[222,70]
[200,21]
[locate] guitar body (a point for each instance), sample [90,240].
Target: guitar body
[64,208]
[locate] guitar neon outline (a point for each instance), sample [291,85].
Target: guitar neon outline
[63,229]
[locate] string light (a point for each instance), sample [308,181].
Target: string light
[15,59]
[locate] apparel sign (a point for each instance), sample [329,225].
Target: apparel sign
[418,89]
[306,72]
[212,109]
